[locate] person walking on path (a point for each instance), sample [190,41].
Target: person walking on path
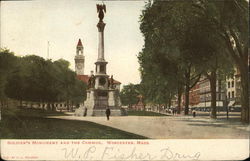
[194,113]
[108,113]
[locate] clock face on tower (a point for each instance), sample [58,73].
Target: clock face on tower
[79,66]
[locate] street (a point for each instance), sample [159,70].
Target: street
[175,127]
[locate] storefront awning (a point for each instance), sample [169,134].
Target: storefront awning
[204,104]
[208,104]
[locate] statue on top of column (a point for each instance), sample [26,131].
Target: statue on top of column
[100,9]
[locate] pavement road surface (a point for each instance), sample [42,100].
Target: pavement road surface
[172,127]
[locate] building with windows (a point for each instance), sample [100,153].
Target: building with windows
[202,97]
[228,90]
[194,97]
[233,89]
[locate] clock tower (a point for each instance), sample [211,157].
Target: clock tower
[79,59]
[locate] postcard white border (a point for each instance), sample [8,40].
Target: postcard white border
[83,149]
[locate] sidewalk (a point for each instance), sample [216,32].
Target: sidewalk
[172,127]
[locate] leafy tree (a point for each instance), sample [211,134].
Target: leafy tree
[206,45]
[15,85]
[169,47]
[232,21]
[230,18]
[129,94]
[185,32]
[37,80]
[73,90]
[78,93]
[7,64]
[156,87]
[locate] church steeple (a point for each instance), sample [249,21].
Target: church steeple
[79,59]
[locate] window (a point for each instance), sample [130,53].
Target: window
[228,84]
[228,94]
[232,94]
[232,83]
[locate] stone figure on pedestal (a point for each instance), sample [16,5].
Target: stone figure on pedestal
[108,82]
[91,82]
[100,9]
[111,82]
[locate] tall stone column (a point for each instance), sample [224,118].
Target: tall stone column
[101,78]
[101,26]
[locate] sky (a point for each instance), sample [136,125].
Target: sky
[27,26]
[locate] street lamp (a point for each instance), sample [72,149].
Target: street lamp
[226,103]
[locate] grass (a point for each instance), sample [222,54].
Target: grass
[144,113]
[32,124]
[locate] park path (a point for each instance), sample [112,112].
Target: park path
[171,127]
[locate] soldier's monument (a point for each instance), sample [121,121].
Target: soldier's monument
[101,93]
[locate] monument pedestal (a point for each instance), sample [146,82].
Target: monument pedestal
[98,101]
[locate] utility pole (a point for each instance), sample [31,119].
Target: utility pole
[227,107]
[48,50]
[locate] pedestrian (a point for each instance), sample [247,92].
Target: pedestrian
[108,113]
[85,112]
[194,113]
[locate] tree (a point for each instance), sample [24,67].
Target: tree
[72,89]
[34,79]
[233,24]
[78,92]
[231,20]
[206,44]
[167,40]
[157,87]
[129,94]
[7,66]
[15,85]
[186,32]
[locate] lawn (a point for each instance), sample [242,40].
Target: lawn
[32,124]
[144,113]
